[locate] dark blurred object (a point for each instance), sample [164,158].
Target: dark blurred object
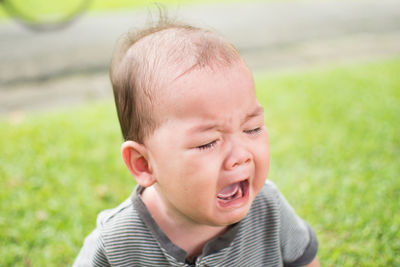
[42,15]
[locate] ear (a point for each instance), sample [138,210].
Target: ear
[135,158]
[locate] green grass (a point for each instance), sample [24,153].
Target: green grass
[334,138]
[335,146]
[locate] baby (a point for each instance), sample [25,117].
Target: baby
[197,145]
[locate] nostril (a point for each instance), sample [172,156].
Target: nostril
[240,161]
[238,155]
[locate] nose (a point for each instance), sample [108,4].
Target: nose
[238,155]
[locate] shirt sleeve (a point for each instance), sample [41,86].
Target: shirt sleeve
[92,252]
[299,244]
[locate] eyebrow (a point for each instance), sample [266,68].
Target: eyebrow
[203,128]
[259,110]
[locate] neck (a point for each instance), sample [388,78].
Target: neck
[186,234]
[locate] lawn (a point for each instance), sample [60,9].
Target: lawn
[334,138]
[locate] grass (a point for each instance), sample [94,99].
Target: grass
[334,138]
[335,146]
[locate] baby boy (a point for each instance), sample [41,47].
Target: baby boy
[197,145]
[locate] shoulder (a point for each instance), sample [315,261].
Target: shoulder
[298,242]
[120,231]
[117,229]
[122,219]
[269,191]
[111,219]
[122,226]
[264,215]
[108,216]
[268,198]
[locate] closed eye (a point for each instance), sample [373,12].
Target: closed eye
[208,145]
[253,131]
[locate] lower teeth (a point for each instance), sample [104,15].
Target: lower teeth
[236,195]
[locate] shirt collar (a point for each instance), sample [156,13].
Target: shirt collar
[211,247]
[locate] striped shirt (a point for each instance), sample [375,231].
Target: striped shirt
[271,234]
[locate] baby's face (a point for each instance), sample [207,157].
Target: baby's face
[210,157]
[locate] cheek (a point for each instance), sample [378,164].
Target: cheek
[262,156]
[194,173]
[202,169]
[197,186]
[265,155]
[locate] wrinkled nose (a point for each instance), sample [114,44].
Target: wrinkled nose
[238,155]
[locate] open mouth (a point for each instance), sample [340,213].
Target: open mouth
[233,193]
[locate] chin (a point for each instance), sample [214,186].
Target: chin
[233,216]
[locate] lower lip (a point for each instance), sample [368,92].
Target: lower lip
[238,202]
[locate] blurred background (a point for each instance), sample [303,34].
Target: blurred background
[327,73]
[70,65]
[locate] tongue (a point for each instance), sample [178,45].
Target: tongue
[229,191]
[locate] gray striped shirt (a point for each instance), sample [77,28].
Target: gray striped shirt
[270,235]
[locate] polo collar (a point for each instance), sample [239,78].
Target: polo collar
[213,246]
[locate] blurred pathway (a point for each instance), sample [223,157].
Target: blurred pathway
[70,66]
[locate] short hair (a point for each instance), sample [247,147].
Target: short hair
[140,63]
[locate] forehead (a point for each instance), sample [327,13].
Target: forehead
[225,92]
